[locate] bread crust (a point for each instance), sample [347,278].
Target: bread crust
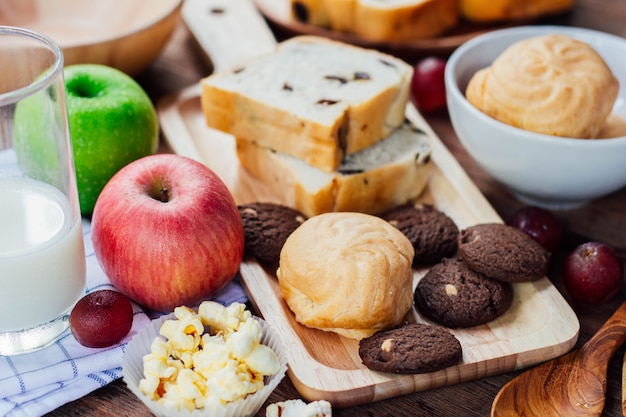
[489,11]
[380,21]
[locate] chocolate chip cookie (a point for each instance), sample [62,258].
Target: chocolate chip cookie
[503,252]
[455,296]
[431,232]
[410,349]
[266,227]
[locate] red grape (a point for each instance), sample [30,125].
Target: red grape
[101,318]
[593,273]
[428,86]
[540,224]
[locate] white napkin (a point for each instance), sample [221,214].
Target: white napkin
[36,383]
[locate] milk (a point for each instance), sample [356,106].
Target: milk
[42,258]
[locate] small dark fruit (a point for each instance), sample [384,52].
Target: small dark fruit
[540,224]
[593,273]
[101,318]
[428,86]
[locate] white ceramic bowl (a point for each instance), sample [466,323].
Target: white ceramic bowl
[125,34]
[548,171]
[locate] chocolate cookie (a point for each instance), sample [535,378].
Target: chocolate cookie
[453,295]
[266,227]
[503,252]
[410,349]
[433,234]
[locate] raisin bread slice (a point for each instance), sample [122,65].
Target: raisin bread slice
[389,173]
[312,98]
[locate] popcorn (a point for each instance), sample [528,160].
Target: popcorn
[298,408]
[207,359]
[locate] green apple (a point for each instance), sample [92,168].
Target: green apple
[112,122]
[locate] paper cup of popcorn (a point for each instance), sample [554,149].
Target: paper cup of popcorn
[220,361]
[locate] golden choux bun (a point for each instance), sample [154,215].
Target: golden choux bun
[550,84]
[348,273]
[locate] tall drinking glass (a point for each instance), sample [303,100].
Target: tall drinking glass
[42,258]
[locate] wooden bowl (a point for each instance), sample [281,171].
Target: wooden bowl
[125,34]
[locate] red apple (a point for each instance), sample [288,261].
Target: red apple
[593,273]
[167,232]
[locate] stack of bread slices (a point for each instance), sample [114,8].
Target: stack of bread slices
[322,124]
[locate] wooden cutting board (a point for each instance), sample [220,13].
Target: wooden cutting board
[539,326]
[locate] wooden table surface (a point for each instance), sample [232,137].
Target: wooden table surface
[182,64]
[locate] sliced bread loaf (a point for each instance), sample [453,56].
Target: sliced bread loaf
[391,20]
[380,20]
[313,98]
[384,175]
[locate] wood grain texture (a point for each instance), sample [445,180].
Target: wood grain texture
[571,385]
[126,35]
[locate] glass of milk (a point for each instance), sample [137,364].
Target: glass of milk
[42,257]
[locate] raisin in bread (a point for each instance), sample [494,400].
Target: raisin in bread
[380,20]
[384,175]
[312,98]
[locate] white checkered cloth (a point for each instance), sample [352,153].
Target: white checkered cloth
[36,383]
